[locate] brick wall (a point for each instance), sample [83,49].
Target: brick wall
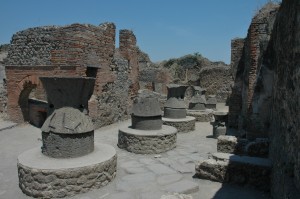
[128,50]
[21,81]
[73,50]
[237,67]
[249,99]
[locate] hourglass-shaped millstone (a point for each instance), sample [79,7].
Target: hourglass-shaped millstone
[175,106]
[68,152]
[68,132]
[146,113]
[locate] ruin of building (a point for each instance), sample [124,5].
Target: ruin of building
[175,113]
[69,154]
[81,50]
[262,107]
[147,134]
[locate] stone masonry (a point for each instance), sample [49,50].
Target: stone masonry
[268,76]
[73,50]
[249,107]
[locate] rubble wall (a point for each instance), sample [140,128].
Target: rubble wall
[82,50]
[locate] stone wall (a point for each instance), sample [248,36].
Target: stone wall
[284,59]
[3,92]
[237,49]
[268,75]
[250,100]
[217,81]
[82,50]
[237,66]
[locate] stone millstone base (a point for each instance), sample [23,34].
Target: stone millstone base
[43,177]
[183,125]
[147,142]
[201,116]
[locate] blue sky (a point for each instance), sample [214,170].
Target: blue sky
[164,28]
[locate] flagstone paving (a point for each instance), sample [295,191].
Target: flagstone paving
[138,176]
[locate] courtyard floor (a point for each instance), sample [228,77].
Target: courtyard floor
[138,176]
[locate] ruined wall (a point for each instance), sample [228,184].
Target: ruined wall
[128,50]
[254,101]
[284,59]
[237,49]
[237,68]
[217,81]
[151,75]
[82,50]
[21,80]
[3,91]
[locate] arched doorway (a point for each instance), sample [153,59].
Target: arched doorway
[32,107]
[23,99]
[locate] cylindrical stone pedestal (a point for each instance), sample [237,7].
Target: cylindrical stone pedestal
[183,125]
[147,141]
[174,113]
[41,176]
[67,133]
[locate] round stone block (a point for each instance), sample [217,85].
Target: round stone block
[147,142]
[58,145]
[183,125]
[146,123]
[41,176]
[174,112]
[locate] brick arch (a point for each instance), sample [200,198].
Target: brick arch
[18,107]
[25,87]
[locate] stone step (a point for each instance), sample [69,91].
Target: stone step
[225,167]
[231,144]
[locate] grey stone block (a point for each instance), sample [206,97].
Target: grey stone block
[224,167]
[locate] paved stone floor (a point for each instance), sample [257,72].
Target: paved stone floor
[138,176]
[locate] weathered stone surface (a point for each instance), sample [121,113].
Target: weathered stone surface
[258,148]
[250,102]
[227,144]
[147,142]
[184,125]
[54,51]
[146,106]
[236,169]
[174,113]
[183,187]
[201,116]
[179,167]
[168,179]
[176,91]
[68,120]
[219,130]
[67,145]
[72,92]
[160,169]
[55,179]
[211,102]
[176,196]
